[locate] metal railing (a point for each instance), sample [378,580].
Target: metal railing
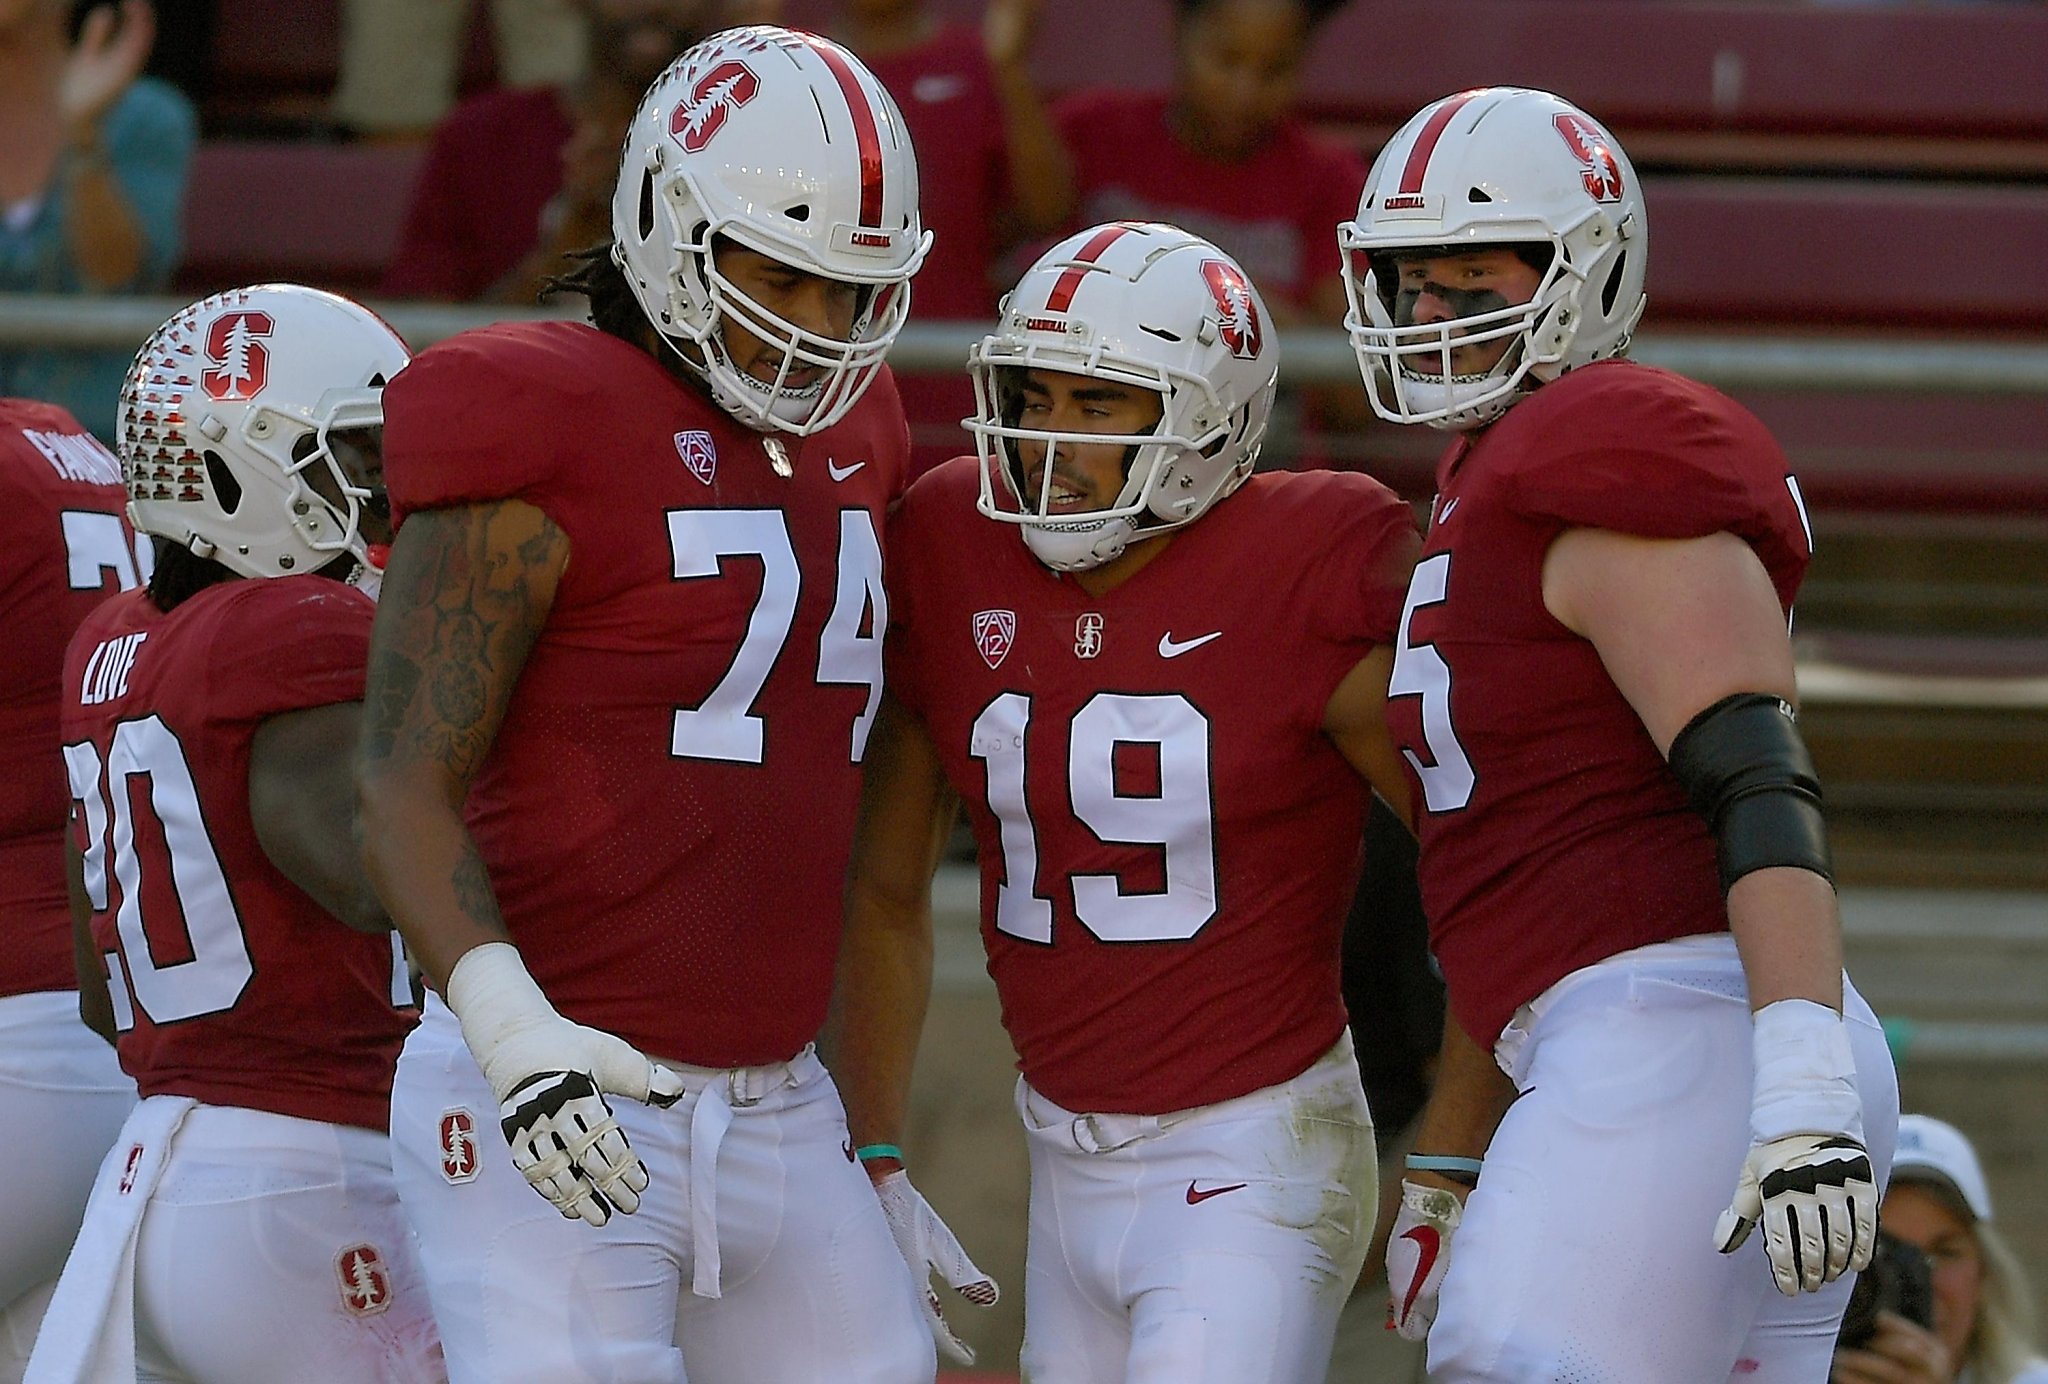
[1864,364]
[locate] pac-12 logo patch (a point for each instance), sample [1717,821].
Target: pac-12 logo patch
[1237,312]
[1088,635]
[459,1157]
[238,361]
[698,454]
[718,93]
[994,632]
[365,1283]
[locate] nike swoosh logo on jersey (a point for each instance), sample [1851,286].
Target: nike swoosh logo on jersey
[1170,648]
[840,473]
[1196,1198]
[1431,1242]
[1448,507]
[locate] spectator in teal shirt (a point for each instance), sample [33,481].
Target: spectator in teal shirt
[93,162]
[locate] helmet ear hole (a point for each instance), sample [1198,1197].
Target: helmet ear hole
[1610,290]
[226,489]
[646,204]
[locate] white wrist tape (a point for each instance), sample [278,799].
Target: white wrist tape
[1805,1073]
[494,998]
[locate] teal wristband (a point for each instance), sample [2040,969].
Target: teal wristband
[867,1151]
[1445,1164]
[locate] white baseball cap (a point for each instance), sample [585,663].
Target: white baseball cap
[1932,1150]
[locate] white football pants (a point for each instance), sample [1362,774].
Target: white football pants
[1208,1246]
[787,1231]
[63,1097]
[1586,1253]
[271,1250]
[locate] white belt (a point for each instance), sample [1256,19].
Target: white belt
[719,1094]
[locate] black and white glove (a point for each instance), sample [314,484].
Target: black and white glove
[1807,1179]
[550,1077]
[929,1247]
[1418,1252]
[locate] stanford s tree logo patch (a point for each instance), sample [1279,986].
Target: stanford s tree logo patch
[459,1158]
[1237,312]
[365,1283]
[1590,146]
[718,93]
[238,361]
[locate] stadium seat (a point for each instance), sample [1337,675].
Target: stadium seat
[322,214]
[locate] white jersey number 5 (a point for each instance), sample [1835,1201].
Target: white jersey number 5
[1420,671]
[1177,820]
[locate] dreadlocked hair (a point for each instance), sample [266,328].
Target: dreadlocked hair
[181,574]
[613,308]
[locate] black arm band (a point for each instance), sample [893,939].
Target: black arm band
[1746,769]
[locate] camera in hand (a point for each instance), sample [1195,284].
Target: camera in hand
[1898,1280]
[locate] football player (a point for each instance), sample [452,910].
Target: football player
[633,625]
[228,941]
[68,546]
[1156,680]
[1623,857]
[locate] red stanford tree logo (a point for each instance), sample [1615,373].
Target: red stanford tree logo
[239,362]
[458,1145]
[1237,312]
[1590,146]
[365,1283]
[717,94]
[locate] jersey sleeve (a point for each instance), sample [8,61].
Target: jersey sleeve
[1367,562]
[481,416]
[288,643]
[1644,453]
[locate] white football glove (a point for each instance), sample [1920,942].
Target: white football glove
[929,1247]
[550,1077]
[1418,1251]
[1807,1178]
[1817,1200]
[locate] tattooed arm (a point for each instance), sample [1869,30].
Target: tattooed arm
[465,595]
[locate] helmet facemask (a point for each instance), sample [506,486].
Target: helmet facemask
[1159,492]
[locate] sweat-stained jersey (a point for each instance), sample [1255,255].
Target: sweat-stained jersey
[1553,834]
[65,545]
[1168,841]
[229,984]
[667,810]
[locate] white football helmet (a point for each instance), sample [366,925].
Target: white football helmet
[784,143]
[1495,166]
[1145,305]
[227,408]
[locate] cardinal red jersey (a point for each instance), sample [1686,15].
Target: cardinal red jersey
[668,807]
[1553,834]
[1168,841]
[65,545]
[230,984]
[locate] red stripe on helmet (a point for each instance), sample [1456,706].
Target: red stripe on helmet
[1425,143]
[866,133]
[1069,282]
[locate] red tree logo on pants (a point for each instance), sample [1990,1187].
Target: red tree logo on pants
[365,1286]
[239,361]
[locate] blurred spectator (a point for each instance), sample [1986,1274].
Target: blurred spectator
[518,177]
[93,160]
[1224,155]
[400,58]
[991,169]
[1940,1203]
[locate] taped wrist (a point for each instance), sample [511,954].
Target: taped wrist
[1805,1073]
[1746,770]
[494,999]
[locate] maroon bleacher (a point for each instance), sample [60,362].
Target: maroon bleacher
[322,214]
